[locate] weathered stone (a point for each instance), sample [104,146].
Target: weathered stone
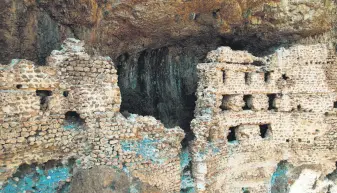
[116,27]
[246,123]
[75,124]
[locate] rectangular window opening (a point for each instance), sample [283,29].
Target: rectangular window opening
[271,101]
[266,76]
[335,104]
[231,134]
[264,130]
[247,78]
[248,102]
[224,76]
[44,98]
[223,105]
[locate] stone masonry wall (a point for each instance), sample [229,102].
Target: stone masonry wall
[253,113]
[70,108]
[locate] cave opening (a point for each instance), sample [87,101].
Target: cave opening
[162,82]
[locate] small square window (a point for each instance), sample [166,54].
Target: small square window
[65,93]
[264,130]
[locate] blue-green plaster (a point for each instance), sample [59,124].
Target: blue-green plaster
[146,148]
[234,142]
[279,179]
[184,158]
[11,65]
[187,182]
[213,148]
[72,126]
[134,188]
[69,127]
[40,181]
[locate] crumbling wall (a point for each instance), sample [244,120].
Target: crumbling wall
[252,113]
[70,109]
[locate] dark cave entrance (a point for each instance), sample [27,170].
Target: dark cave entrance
[162,83]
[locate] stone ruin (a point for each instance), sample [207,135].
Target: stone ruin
[252,114]
[70,109]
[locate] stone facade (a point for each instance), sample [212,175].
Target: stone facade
[256,119]
[70,109]
[252,113]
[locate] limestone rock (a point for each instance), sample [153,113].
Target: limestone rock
[135,25]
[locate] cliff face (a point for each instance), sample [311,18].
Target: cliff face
[79,122]
[157,44]
[31,29]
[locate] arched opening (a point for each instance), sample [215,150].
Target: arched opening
[73,121]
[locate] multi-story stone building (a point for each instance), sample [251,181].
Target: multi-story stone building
[253,113]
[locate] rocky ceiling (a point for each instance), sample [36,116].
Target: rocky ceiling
[32,28]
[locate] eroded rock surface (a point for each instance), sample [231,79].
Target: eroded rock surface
[30,29]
